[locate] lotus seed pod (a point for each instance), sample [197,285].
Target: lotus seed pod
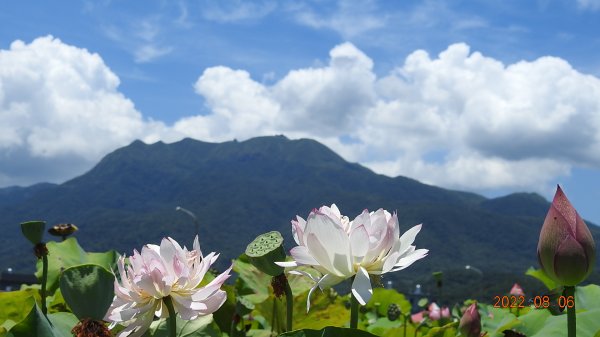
[33,231]
[265,250]
[63,230]
[393,312]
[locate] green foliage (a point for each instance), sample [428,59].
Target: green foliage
[68,253]
[448,330]
[35,324]
[300,283]
[224,315]
[252,283]
[15,306]
[33,231]
[203,326]
[496,320]
[385,297]
[327,332]
[88,290]
[541,276]
[382,325]
[326,309]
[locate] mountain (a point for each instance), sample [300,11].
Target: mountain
[241,189]
[15,194]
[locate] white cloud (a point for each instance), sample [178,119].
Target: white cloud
[593,5]
[348,18]
[143,38]
[458,120]
[60,109]
[237,10]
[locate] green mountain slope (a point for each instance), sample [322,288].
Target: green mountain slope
[241,189]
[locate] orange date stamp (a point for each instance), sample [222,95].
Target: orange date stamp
[539,302]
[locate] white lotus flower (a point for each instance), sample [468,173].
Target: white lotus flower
[340,249]
[158,272]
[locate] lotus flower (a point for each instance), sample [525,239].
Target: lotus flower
[470,322]
[339,248]
[436,313]
[418,317]
[566,249]
[158,272]
[516,290]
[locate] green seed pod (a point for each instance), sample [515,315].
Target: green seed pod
[393,312]
[33,231]
[265,250]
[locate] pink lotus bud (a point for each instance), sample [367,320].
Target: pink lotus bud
[566,249]
[445,312]
[516,290]
[470,323]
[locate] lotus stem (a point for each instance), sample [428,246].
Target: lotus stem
[274,316]
[172,319]
[44,281]
[353,312]
[571,319]
[289,301]
[405,321]
[232,328]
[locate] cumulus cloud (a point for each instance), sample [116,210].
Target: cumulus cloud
[460,119]
[60,109]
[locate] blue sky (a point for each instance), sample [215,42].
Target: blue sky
[486,96]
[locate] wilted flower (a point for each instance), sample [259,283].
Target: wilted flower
[470,323]
[436,313]
[516,290]
[158,272]
[339,248]
[566,249]
[63,230]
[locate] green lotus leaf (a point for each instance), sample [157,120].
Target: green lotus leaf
[329,331]
[88,290]
[68,253]
[200,327]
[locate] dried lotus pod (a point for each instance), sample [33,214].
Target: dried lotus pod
[63,230]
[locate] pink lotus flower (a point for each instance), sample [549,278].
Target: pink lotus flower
[339,248]
[566,248]
[435,313]
[158,272]
[418,317]
[516,290]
